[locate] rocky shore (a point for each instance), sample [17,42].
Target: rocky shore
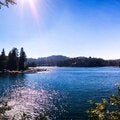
[28,71]
[35,70]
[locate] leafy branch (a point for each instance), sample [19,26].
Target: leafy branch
[108,109]
[6,3]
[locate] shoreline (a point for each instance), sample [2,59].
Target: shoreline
[28,71]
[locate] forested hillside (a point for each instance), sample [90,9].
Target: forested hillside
[63,61]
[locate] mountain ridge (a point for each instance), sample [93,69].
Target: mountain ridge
[81,61]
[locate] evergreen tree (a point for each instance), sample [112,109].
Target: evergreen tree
[22,59]
[13,59]
[9,62]
[3,53]
[3,60]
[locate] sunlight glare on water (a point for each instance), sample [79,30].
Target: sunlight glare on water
[30,101]
[59,93]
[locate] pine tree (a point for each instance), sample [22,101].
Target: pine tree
[9,62]
[3,60]
[22,59]
[13,59]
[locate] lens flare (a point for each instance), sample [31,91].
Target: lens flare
[32,5]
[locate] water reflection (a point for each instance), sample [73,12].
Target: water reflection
[10,81]
[29,101]
[61,93]
[25,93]
[21,97]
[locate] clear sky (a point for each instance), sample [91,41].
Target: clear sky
[62,27]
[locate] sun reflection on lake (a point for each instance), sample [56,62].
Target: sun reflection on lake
[30,101]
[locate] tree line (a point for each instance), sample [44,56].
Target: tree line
[88,62]
[14,60]
[63,61]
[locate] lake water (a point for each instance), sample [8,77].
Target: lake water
[61,93]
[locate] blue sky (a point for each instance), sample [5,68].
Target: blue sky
[62,27]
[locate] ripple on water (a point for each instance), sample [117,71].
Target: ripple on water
[30,101]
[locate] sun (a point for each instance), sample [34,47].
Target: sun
[32,4]
[33,7]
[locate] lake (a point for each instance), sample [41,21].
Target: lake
[60,93]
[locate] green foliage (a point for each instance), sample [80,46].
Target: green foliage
[3,60]
[41,117]
[22,60]
[3,109]
[24,116]
[83,62]
[107,109]
[13,61]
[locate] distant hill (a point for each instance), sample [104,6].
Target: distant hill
[47,61]
[83,62]
[88,62]
[63,61]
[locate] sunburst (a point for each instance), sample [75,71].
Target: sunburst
[37,8]
[32,4]
[33,7]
